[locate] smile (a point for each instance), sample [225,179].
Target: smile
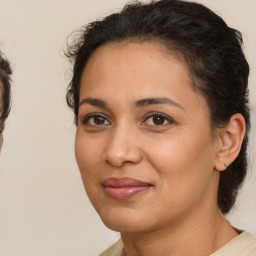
[124,188]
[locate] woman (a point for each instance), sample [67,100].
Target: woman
[5,72]
[160,96]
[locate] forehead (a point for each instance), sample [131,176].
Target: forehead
[144,63]
[134,50]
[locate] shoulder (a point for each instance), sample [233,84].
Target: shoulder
[242,245]
[114,250]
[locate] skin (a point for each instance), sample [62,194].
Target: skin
[1,141]
[1,128]
[180,155]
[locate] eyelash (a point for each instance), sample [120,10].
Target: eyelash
[87,118]
[157,114]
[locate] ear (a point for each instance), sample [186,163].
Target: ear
[231,138]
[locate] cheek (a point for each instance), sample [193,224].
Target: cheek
[87,157]
[171,152]
[183,164]
[87,154]
[183,147]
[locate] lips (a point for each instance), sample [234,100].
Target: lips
[124,188]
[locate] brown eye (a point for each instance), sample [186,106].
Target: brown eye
[94,120]
[157,120]
[99,120]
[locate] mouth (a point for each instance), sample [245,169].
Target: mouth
[124,188]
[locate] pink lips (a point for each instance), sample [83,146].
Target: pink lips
[124,188]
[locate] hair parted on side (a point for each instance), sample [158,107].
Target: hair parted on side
[211,49]
[5,93]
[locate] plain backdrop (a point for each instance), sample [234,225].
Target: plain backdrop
[44,210]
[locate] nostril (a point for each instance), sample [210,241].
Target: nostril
[122,157]
[116,159]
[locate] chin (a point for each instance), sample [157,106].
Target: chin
[124,221]
[124,226]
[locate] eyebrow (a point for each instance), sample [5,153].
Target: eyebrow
[139,103]
[93,102]
[152,101]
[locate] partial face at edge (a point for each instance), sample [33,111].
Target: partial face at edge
[1,128]
[139,118]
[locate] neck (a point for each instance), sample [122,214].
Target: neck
[195,237]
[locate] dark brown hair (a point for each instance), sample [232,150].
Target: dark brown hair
[211,49]
[5,87]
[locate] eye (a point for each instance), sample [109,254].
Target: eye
[95,120]
[157,119]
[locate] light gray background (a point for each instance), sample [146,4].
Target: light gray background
[43,207]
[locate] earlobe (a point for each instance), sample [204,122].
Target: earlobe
[231,139]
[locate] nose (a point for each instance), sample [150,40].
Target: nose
[122,148]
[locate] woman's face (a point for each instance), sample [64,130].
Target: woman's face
[144,145]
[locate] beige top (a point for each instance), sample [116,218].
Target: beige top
[242,245]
